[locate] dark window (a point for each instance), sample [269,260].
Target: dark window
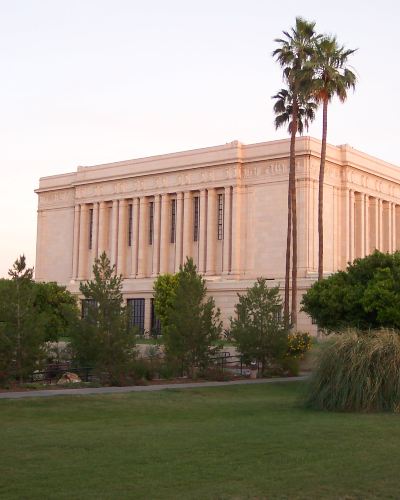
[220,234]
[136,313]
[155,322]
[196,218]
[90,228]
[130,222]
[173,221]
[151,222]
[87,305]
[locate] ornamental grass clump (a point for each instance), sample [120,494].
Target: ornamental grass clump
[357,371]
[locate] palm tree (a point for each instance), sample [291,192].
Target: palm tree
[294,51]
[331,78]
[283,109]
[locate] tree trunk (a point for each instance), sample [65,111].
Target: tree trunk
[288,251]
[292,179]
[321,192]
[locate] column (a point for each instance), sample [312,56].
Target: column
[359,225]
[179,231]
[397,217]
[367,249]
[164,237]
[385,226]
[75,255]
[211,231]
[114,232]
[346,225]
[373,224]
[236,229]
[122,236]
[394,229]
[227,243]
[143,236]
[202,231]
[135,237]
[352,220]
[83,242]
[187,225]
[156,235]
[103,228]
[95,235]
[380,225]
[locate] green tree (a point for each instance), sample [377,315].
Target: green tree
[21,326]
[258,329]
[59,308]
[365,296]
[330,77]
[293,52]
[103,339]
[191,323]
[283,109]
[164,294]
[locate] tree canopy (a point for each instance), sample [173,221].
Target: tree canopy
[365,296]
[190,323]
[258,329]
[103,340]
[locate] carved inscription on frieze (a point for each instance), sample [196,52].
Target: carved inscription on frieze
[60,197]
[198,176]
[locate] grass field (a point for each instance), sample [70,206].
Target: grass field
[219,443]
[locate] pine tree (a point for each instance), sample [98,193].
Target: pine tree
[258,329]
[21,326]
[193,322]
[103,339]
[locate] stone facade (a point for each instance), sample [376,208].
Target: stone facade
[226,206]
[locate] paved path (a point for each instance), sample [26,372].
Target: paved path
[140,388]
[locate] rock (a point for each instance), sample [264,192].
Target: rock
[69,378]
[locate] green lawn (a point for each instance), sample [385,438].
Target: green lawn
[231,442]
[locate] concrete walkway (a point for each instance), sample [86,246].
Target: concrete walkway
[141,388]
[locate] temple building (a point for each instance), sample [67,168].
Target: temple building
[225,206]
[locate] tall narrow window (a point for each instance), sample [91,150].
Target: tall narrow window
[136,313]
[130,225]
[87,305]
[196,218]
[173,221]
[90,228]
[151,222]
[220,234]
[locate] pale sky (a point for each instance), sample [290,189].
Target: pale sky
[94,81]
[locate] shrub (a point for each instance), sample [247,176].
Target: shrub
[357,371]
[299,343]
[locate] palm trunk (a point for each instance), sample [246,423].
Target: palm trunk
[288,245]
[292,178]
[321,192]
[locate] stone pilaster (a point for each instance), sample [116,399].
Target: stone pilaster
[165,233]
[202,231]
[156,235]
[75,258]
[187,225]
[114,232]
[135,237]
[227,243]
[211,231]
[179,231]
[122,236]
[83,242]
[143,237]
